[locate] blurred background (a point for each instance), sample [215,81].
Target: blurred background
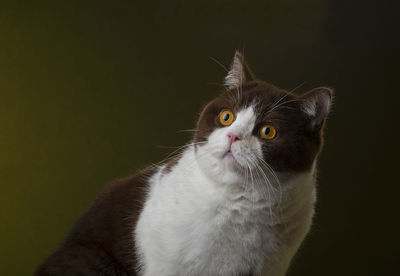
[91,91]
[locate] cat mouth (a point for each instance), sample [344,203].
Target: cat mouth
[229,155]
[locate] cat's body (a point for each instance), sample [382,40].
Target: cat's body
[239,200]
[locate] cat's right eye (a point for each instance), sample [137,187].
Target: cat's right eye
[267,132]
[226,117]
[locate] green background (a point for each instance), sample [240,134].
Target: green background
[91,91]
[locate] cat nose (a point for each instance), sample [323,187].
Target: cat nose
[233,137]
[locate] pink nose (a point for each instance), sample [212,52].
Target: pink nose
[233,137]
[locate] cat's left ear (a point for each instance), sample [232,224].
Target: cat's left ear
[239,72]
[316,104]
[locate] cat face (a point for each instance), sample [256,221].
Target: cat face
[255,126]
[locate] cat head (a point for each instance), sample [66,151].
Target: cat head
[255,126]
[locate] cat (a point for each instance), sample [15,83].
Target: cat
[238,200]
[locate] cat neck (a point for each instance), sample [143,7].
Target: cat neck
[195,165]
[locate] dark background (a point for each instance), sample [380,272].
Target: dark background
[94,91]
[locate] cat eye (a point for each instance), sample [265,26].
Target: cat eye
[226,117]
[267,132]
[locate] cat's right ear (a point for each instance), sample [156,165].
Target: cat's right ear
[316,104]
[239,72]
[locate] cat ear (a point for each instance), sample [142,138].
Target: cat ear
[316,104]
[239,72]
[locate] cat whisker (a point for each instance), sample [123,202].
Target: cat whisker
[265,185]
[264,177]
[219,63]
[297,87]
[281,104]
[179,151]
[272,172]
[277,102]
[259,163]
[284,96]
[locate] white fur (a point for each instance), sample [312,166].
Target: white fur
[204,218]
[236,76]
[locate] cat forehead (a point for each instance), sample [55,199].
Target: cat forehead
[259,95]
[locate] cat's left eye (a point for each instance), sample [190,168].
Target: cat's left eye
[267,132]
[226,117]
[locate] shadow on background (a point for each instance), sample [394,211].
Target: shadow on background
[90,92]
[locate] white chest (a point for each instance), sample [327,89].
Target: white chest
[191,226]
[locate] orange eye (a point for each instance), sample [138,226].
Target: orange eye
[226,118]
[267,132]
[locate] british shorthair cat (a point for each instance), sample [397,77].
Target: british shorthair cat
[239,199]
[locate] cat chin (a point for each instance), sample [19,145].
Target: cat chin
[232,163]
[223,169]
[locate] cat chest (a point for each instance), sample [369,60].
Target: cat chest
[242,223]
[234,235]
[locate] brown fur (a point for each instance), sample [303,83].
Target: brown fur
[171,163]
[101,242]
